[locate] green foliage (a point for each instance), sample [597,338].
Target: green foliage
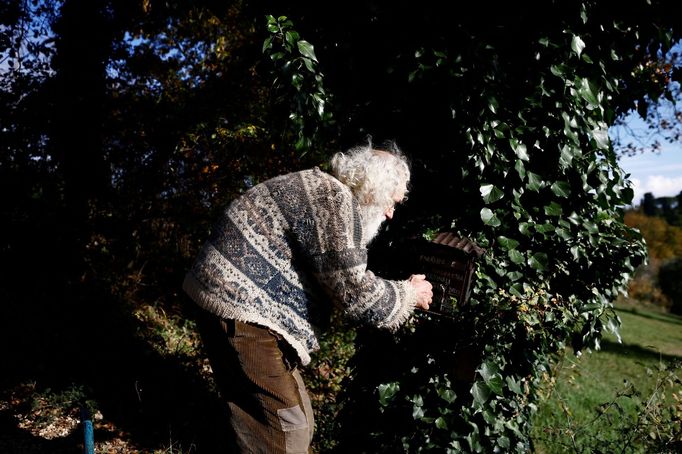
[324,381]
[527,119]
[489,412]
[299,81]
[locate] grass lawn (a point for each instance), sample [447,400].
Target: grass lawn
[618,399]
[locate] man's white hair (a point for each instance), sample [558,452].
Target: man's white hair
[375,176]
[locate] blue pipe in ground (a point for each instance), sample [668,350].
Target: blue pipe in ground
[88,433]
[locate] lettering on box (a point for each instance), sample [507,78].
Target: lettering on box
[448,263]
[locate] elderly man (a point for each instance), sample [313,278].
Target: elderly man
[281,255]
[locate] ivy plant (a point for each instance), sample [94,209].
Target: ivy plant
[520,112]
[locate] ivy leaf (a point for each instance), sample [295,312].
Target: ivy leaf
[588,307]
[601,137]
[553,209]
[447,395]
[481,392]
[489,218]
[488,369]
[575,252]
[613,326]
[561,189]
[387,391]
[291,37]
[558,70]
[520,149]
[524,228]
[566,157]
[267,44]
[440,423]
[474,441]
[538,261]
[504,443]
[514,385]
[276,56]
[272,24]
[520,169]
[575,218]
[495,384]
[534,182]
[516,257]
[563,233]
[491,193]
[306,49]
[544,228]
[591,227]
[493,104]
[515,275]
[577,45]
[627,194]
[588,92]
[507,243]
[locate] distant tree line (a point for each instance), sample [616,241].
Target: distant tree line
[669,208]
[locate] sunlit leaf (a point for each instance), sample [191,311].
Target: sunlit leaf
[534,182]
[553,209]
[561,188]
[481,392]
[507,243]
[577,45]
[516,256]
[601,137]
[489,218]
[538,261]
[306,49]
[520,149]
[491,193]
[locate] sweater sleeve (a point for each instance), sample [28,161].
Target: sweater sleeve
[338,258]
[362,295]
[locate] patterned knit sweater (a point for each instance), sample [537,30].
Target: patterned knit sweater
[284,251]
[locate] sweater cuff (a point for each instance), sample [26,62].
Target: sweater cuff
[405,305]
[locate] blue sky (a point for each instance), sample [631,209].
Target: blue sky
[657,172]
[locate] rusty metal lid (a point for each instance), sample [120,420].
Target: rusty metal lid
[464,244]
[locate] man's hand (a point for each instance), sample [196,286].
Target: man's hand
[424,290]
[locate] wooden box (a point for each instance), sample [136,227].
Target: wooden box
[449,264]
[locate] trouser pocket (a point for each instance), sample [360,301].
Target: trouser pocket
[295,427]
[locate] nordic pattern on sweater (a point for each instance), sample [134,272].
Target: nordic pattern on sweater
[283,250]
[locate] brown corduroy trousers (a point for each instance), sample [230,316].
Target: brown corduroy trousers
[256,372]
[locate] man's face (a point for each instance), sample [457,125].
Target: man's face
[397,198]
[373,216]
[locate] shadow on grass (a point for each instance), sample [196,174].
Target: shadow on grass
[667,318]
[637,352]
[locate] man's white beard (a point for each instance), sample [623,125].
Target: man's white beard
[372,218]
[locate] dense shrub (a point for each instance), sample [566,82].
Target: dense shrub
[670,280]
